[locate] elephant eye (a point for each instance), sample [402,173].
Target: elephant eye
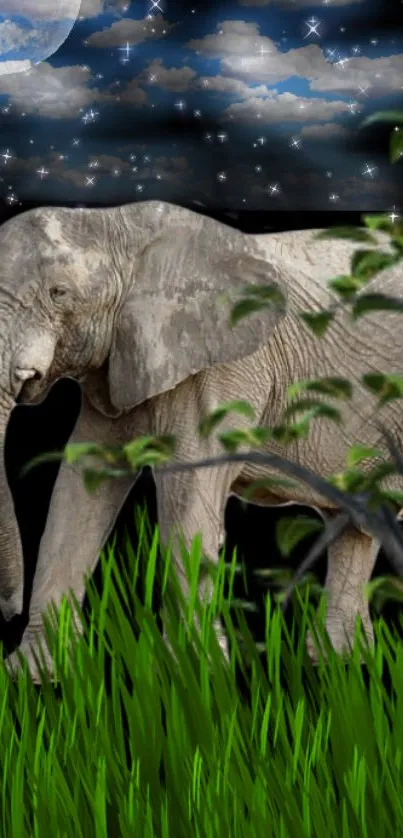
[56,293]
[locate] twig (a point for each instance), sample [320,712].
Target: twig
[377,522]
[332,530]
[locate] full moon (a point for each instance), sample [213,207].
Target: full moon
[33,30]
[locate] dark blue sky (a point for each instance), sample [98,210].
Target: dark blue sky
[238,105]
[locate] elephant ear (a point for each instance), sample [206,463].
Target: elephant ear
[174,321]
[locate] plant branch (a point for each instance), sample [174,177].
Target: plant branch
[377,522]
[331,531]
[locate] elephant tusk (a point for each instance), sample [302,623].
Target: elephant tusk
[25,375]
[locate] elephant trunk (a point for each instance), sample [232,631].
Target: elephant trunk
[11,556]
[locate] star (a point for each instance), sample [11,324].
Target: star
[126,49]
[369,170]
[6,156]
[295,142]
[393,216]
[312,25]
[155,4]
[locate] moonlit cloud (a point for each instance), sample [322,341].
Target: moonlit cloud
[286,107]
[55,92]
[247,56]
[132,31]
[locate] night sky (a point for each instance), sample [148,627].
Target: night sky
[243,105]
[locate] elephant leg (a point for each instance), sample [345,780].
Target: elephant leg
[189,503]
[351,560]
[77,527]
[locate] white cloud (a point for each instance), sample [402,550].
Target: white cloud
[234,37]
[223,84]
[250,58]
[328,130]
[174,79]
[183,79]
[93,8]
[56,92]
[285,107]
[130,31]
[377,75]
[131,95]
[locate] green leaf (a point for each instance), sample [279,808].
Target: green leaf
[95,477]
[346,286]
[356,234]
[375,302]
[290,433]
[243,308]
[351,480]
[393,228]
[387,387]
[254,437]
[314,408]
[383,116]
[209,422]
[393,495]
[397,243]
[319,322]
[231,440]
[149,450]
[270,293]
[396,145]
[366,263]
[75,451]
[378,473]
[290,531]
[378,221]
[257,297]
[340,388]
[41,458]
[382,589]
[358,453]
[354,479]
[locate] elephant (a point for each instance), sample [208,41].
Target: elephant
[128,301]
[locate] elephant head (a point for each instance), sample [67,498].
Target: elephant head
[136,291]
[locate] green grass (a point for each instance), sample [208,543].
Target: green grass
[135,742]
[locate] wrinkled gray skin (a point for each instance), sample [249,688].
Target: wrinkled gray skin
[125,301]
